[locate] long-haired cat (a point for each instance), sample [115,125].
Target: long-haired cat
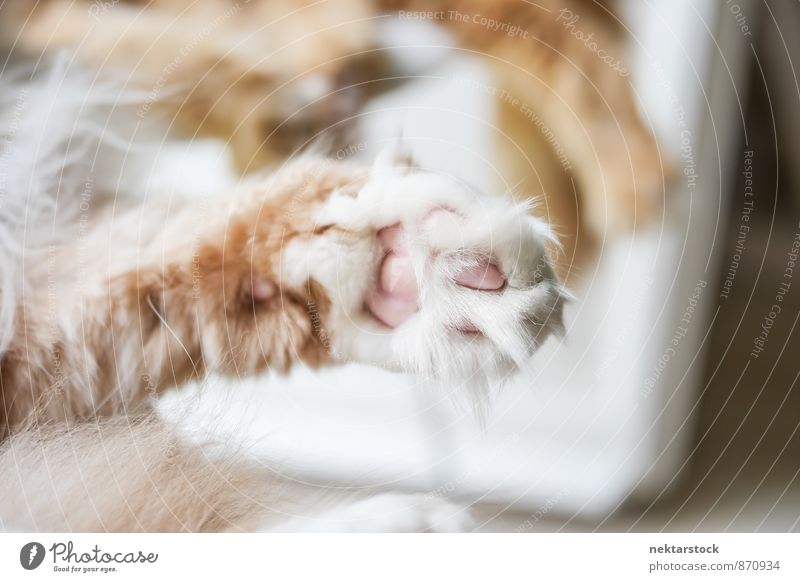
[110,298]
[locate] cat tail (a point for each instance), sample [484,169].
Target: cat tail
[65,135]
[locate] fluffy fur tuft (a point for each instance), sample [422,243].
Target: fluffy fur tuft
[65,139]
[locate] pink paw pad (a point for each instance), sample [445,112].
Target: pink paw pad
[396,297]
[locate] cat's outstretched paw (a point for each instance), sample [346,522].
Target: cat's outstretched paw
[425,275]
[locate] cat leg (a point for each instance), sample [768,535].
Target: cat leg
[319,262]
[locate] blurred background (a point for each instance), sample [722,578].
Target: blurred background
[660,140]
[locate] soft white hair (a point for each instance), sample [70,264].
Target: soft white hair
[65,134]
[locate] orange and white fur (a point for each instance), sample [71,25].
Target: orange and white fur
[109,299]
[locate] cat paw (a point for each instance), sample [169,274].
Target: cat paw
[425,275]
